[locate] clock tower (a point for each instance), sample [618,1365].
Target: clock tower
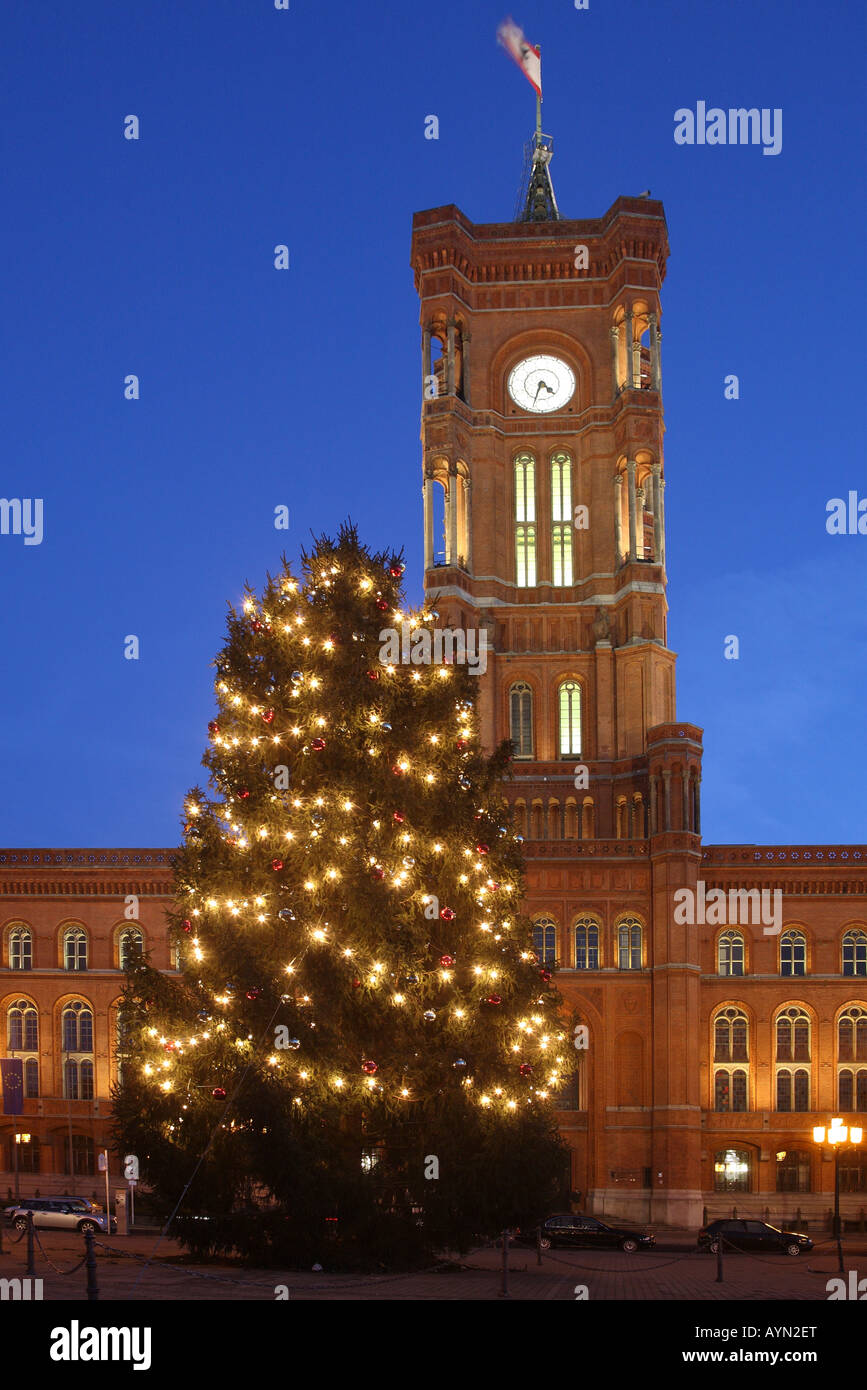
[544,527]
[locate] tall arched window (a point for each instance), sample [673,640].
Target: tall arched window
[730,953]
[129,944]
[76,1032]
[586,944]
[855,952]
[731,1045]
[852,1048]
[521,719]
[629,944]
[525,520]
[793,953]
[20,948]
[75,948]
[561,519]
[22,1038]
[569,712]
[793,1045]
[545,940]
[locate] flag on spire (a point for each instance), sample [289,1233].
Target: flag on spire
[528,58]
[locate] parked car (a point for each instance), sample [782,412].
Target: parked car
[570,1228]
[60,1214]
[751,1235]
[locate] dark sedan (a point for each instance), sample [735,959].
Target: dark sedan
[572,1229]
[751,1235]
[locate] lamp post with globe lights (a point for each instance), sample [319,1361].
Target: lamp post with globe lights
[839,1136]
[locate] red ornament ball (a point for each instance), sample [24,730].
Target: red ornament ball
[447,914]
[187,924]
[377,872]
[369,1068]
[253,993]
[243,794]
[482,849]
[447,961]
[397,769]
[399,817]
[256,625]
[276,865]
[213,727]
[317,744]
[372,675]
[356,984]
[169,1046]
[396,571]
[462,743]
[268,715]
[218,1093]
[525,1069]
[545,975]
[493,1000]
[382,604]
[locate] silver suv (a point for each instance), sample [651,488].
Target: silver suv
[60,1213]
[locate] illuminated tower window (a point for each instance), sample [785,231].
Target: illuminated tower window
[525,521]
[570,719]
[561,519]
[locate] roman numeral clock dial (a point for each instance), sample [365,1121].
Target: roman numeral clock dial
[541,384]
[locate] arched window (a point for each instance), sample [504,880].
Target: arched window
[793,1045]
[730,953]
[130,943]
[82,1158]
[793,1170]
[521,719]
[561,519]
[77,1027]
[545,940]
[629,944]
[586,944]
[20,949]
[793,953]
[77,1044]
[731,1032]
[569,698]
[525,520]
[855,952]
[793,1036]
[852,1048]
[22,1038]
[732,1170]
[75,948]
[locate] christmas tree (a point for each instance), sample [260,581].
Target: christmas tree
[358,1058]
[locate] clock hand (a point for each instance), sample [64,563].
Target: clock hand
[543,384]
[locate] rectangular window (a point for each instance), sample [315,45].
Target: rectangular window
[561,556]
[525,556]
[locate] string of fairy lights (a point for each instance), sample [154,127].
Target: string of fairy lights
[387,850]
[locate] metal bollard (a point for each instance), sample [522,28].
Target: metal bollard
[538,1245]
[719,1260]
[90,1265]
[31,1247]
[504,1283]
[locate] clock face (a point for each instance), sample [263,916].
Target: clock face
[541,384]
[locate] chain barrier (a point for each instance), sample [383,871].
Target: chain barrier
[48,1259]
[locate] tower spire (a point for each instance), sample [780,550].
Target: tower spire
[537,201]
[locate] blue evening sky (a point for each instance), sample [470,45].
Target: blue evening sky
[261,387]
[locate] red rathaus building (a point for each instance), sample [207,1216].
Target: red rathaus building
[721,1025]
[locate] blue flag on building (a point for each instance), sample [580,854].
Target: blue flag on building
[12,1072]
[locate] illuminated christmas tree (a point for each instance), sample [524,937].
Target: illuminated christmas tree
[361,1047]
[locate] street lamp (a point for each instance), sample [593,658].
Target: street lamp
[839,1136]
[19,1139]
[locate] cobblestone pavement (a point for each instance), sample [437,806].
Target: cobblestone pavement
[675,1272]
